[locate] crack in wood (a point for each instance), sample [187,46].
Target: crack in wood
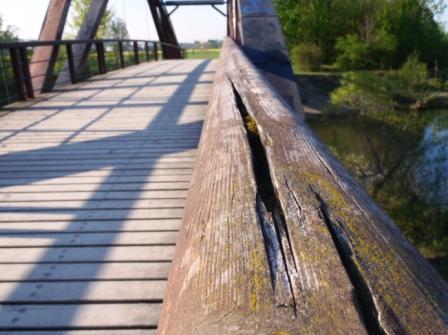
[365,300]
[277,243]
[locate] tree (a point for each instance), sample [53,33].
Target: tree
[117,29]
[80,9]
[8,33]
[386,32]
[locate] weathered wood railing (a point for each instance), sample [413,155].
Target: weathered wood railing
[278,238]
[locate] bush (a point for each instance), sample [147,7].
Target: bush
[351,53]
[377,91]
[413,74]
[364,91]
[307,57]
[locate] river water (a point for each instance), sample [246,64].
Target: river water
[402,161]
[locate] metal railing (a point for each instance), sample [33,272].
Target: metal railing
[23,75]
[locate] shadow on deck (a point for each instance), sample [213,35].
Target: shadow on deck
[91,204]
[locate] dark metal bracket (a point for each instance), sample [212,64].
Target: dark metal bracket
[213,3]
[175,8]
[219,11]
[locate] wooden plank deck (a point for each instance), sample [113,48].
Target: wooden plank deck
[93,181]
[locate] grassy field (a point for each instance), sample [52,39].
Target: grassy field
[203,53]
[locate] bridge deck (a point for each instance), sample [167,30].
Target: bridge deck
[93,181]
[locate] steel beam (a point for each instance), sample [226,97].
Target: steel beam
[44,57]
[87,31]
[165,30]
[255,26]
[194,3]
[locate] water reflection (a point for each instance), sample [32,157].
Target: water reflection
[402,162]
[431,172]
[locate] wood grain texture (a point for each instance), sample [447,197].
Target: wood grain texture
[326,260]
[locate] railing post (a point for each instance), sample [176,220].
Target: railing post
[120,54]
[18,75]
[100,55]
[148,58]
[156,52]
[136,56]
[26,73]
[103,58]
[71,63]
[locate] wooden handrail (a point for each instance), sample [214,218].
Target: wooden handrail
[278,238]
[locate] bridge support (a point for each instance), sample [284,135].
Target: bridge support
[44,57]
[255,26]
[165,30]
[88,31]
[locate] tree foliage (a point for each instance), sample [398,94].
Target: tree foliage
[367,33]
[307,56]
[110,26]
[117,29]
[8,33]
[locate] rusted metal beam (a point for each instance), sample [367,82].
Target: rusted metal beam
[136,53]
[44,57]
[165,30]
[18,73]
[88,31]
[71,64]
[254,25]
[155,51]
[26,72]
[120,54]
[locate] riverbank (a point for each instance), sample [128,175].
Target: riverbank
[400,157]
[315,90]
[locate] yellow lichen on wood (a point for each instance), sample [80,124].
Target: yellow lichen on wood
[259,279]
[363,250]
[251,125]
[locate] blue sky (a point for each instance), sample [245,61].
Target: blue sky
[191,23]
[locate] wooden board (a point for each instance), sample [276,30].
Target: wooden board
[99,195]
[43,316]
[84,271]
[86,239]
[143,253]
[99,291]
[84,332]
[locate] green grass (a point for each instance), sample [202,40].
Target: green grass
[203,53]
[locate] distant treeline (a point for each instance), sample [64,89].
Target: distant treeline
[210,44]
[7,33]
[365,34]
